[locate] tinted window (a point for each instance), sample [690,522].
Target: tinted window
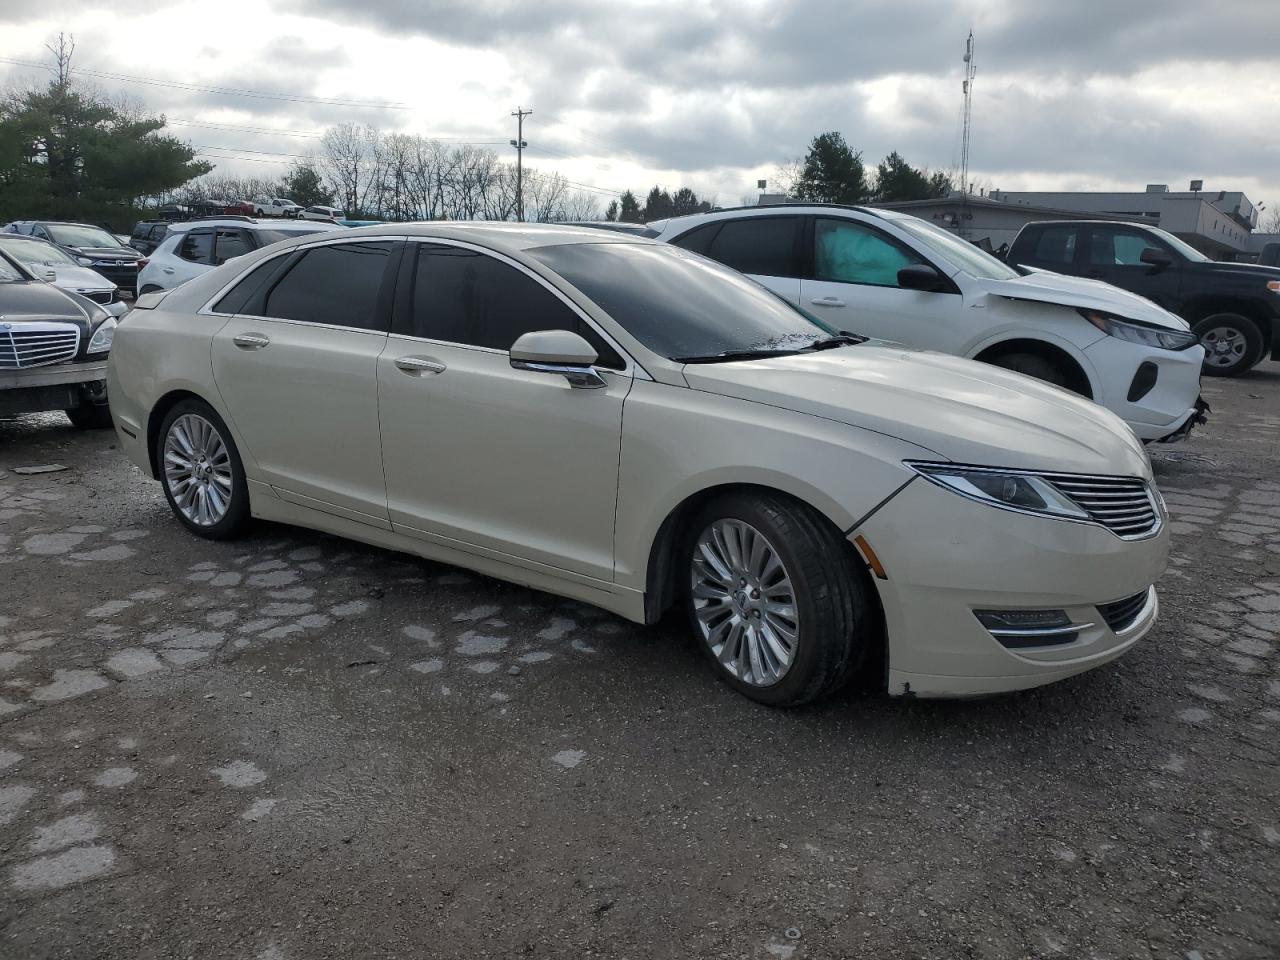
[699,240]
[955,251]
[1115,248]
[158,231]
[80,235]
[678,304]
[197,246]
[765,246]
[461,296]
[336,285]
[849,252]
[1056,245]
[241,298]
[230,243]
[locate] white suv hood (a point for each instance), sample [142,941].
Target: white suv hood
[1045,286]
[964,411]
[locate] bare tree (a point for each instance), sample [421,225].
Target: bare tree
[1272,222]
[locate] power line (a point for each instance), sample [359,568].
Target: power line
[519,143]
[228,91]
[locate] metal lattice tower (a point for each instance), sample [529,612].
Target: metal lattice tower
[970,71]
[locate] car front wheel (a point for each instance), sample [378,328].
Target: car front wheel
[776,600]
[201,472]
[1232,344]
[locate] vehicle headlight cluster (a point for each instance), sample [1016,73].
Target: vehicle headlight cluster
[102,338]
[1009,489]
[1147,334]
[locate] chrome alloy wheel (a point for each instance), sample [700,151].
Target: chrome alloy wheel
[744,602]
[197,469]
[1224,345]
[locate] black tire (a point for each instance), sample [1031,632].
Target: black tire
[236,519]
[90,416]
[1031,365]
[1232,342]
[259,213]
[835,625]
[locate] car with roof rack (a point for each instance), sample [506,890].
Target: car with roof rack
[895,277]
[197,246]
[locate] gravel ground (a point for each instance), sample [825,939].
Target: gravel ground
[293,747]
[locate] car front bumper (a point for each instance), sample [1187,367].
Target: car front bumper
[124,273]
[1155,391]
[59,386]
[945,556]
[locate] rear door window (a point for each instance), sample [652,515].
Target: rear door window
[765,246]
[230,243]
[197,247]
[1056,245]
[335,285]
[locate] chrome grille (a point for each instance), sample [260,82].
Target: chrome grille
[103,296]
[37,344]
[1120,614]
[1124,505]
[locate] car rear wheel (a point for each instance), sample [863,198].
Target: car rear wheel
[775,598]
[1232,344]
[201,472]
[90,416]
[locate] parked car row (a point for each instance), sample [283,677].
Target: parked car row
[898,278]
[91,247]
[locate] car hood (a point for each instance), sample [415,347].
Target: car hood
[34,300]
[1045,286]
[1246,271]
[107,253]
[964,411]
[80,279]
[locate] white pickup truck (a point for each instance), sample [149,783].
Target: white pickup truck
[277,207]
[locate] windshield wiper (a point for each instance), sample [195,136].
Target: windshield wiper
[730,355]
[843,339]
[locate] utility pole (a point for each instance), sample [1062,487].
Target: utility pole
[519,143]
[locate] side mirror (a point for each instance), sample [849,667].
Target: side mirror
[921,276]
[560,352]
[1156,257]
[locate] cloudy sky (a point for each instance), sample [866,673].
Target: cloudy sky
[713,94]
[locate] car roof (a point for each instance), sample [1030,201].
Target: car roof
[501,236]
[792,207]
[249,223]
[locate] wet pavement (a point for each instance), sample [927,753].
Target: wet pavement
[293,746]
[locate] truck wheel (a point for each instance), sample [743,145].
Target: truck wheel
[1232,343]
[90,416]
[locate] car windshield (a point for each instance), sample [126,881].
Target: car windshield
[681,305]
[274,236]
[1188,251]
[959,252]
[78,235]
[8,272]
[36,253]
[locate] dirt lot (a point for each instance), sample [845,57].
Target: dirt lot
[295,747]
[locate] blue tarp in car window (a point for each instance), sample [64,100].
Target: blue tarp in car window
[849,253]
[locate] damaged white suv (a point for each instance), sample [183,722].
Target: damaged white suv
[895,277]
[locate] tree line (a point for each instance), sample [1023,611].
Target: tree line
[832,172]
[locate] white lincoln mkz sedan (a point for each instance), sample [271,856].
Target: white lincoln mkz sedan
[636,426]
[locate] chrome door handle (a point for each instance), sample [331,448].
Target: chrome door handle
[827,302]
[418,365]
[250,341]
[168,269]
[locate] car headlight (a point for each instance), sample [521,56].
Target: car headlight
[1147,334]
[102,338]
[1008,489]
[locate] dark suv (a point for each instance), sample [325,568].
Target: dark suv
[147,235]
[1233,307]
